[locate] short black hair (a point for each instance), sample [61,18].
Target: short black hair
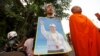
[31,34]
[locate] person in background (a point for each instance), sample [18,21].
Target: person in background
[83,33]
[28,45]
[69,38]
[12,41]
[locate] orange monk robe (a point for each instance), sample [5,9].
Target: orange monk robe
[83,35]
[98,43]
[98,39]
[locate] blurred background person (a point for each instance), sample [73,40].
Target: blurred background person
[12,41]
[28,45]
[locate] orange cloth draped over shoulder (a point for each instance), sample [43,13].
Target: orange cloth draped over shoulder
[98,43]
[83,35]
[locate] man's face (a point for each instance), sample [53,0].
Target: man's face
[53,29]
[50,9]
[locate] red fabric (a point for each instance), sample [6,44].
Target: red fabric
[98,43]
[83,35]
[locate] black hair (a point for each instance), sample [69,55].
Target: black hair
[30,34]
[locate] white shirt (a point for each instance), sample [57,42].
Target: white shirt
[54,40]
[29,45]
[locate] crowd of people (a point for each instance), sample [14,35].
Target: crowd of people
[85,37]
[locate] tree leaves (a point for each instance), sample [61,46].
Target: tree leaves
[14,15]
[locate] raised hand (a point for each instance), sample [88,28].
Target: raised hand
[41,22]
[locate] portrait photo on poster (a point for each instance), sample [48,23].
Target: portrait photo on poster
[50,38]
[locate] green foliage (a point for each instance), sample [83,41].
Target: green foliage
[16,16]
[2,42]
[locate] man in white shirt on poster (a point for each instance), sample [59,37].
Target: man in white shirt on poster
[55,40]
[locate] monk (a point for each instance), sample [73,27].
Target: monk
[83,33]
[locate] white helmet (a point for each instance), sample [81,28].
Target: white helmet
[11,34]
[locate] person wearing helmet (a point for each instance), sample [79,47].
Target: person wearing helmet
[12,41]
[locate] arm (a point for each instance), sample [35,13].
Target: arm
[43,30]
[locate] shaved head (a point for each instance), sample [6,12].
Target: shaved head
[76,9]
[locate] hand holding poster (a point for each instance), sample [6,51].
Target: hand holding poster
[50,38]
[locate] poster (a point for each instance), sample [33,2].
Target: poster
[50,37]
